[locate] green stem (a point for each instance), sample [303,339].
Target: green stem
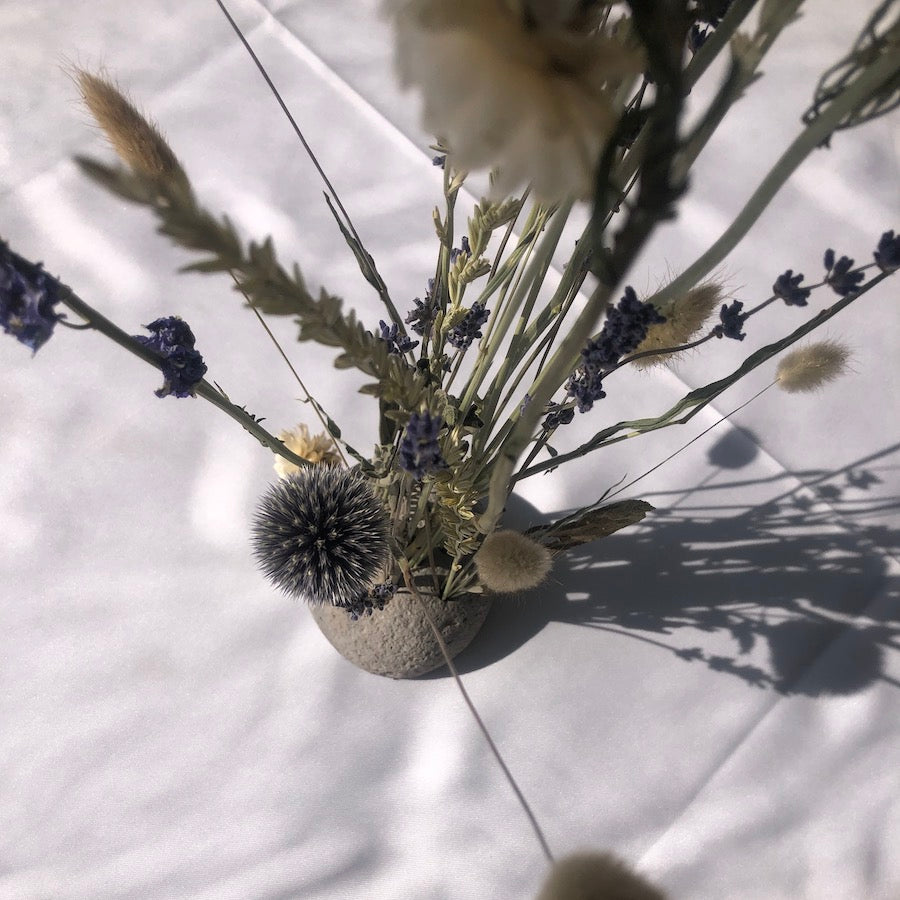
[807,141]
[702,396]
[500,279]
[530,283]
[557,370]
[411,586]
[203,388]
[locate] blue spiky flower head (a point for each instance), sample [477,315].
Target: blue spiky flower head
[322,534]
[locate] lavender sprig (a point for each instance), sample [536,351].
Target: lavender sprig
[28,297]
[420,451]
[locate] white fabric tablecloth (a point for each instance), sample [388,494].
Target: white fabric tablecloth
[712,694]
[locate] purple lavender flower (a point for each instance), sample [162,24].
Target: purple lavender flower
[420,452]
[27,297]
[787,286]
[732,321]
[586,387]
[697,37]
[465,249]
[422,317]
[625,327]
[376,598]
[887,254]
[464,332]
[182,365]
[841,277]
[398,343]
[558,415]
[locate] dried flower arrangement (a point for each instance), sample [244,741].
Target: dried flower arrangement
[571,103]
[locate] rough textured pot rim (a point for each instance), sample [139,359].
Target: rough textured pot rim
[398,642]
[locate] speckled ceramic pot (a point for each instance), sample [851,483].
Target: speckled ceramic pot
[397,641]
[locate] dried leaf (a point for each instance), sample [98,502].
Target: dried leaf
[589,525]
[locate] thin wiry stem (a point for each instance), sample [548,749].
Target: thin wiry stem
[407,577]
[691,441]
[290,365]
[382,289]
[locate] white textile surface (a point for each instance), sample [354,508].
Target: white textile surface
[712,694]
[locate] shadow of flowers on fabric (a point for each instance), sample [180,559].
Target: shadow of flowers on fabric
[801,587]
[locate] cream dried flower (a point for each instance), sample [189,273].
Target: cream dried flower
[534,95]
[318,448]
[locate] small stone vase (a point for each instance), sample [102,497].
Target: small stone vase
[397,641]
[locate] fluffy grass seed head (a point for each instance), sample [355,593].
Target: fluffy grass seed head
[509,562]
[322,534]
[809,368]
[317,448]
[596,876]
[685,317]
[136,140]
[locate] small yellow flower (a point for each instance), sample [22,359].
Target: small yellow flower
[318,448]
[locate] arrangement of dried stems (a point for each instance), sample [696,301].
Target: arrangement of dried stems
[567,103]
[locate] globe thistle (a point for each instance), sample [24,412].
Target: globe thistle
[684,319]
[317,448]
[808,368]
[596,876]
[509,562]
[322,534]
